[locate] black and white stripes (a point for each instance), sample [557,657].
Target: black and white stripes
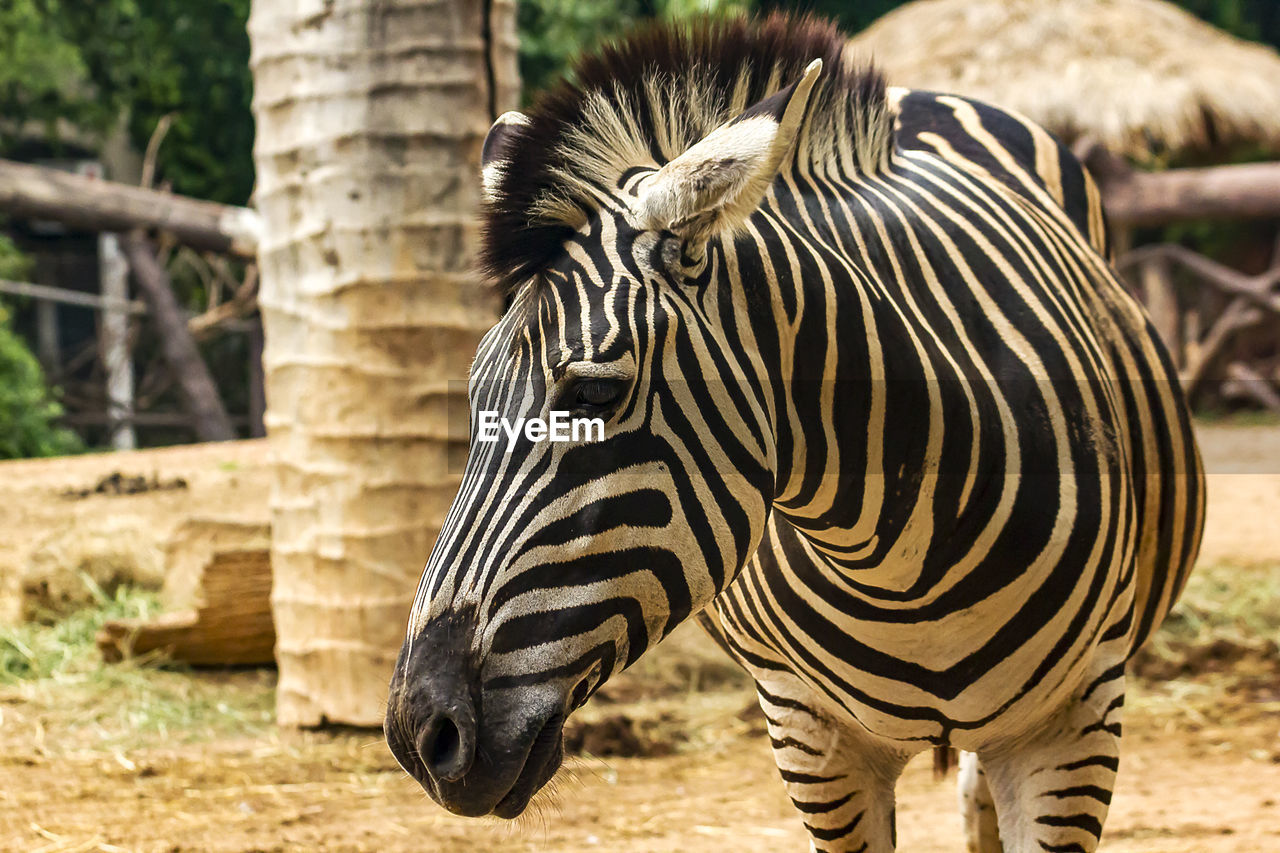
[873,393]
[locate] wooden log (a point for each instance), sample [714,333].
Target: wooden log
[208,415]
[189,547]
[257,394]
[218,589]
[1192,331]
[36,192]
[1243,191]
[231,627]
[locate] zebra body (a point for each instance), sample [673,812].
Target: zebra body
[874,395]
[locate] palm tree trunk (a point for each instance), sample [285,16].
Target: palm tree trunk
[371,115]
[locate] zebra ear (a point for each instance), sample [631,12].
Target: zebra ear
[493,155]
[721,180]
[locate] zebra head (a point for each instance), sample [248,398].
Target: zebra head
[561,562]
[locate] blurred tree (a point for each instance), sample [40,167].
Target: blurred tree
[371,117]
[13,264]
[92,62]
[40,68]
[552,32]
[28,409]
[148,58]
[1258,20]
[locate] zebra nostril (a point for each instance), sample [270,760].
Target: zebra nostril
[446,746]
[448,742]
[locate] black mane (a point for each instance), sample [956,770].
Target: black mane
[703,60]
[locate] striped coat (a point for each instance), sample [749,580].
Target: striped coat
[876,407]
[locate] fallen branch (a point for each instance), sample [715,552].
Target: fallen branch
[1243,381]
[241,304]
[1243,191]
[35,192]
[208,415]
[1255,289]
[1238,317]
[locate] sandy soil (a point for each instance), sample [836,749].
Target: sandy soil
[1201,768]
[1183,788]
[1243,467]
[134,500]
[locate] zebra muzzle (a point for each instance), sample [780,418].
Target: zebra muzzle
[475,752]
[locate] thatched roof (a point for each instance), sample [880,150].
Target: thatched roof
[1141,76]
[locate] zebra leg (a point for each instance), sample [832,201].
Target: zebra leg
[978,807]
[840,778]
[1052,788]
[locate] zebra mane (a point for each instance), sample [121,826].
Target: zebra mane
[645,99]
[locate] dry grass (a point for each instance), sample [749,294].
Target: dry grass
[67,569]
[1216,661]
[1141,76]
[1215,655]
[1227,601]
[149,757]
[53,683]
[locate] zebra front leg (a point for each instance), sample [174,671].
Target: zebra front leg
[1052,788]
[978,807]
[838,776]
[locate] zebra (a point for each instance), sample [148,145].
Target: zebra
[878,413]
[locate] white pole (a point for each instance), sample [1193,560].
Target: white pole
[114,275]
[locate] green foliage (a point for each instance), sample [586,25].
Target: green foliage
[28,412]
[92,61]
[39,67]
[27,409]
[1258,20]
[553,32]
[853,17]
[155,57]
[13,264]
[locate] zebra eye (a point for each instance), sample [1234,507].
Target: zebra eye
[593,396]
[598,392]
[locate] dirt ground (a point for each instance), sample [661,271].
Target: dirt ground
[1201,767]
[129,503]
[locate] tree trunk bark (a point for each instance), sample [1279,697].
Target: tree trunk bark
[113,273]
[370,116]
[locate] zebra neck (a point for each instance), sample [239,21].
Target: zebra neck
[858,406]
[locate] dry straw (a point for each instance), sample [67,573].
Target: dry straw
[1141,76]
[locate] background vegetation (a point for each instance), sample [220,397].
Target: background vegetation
[28,409]
[92,63]
[77,70]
